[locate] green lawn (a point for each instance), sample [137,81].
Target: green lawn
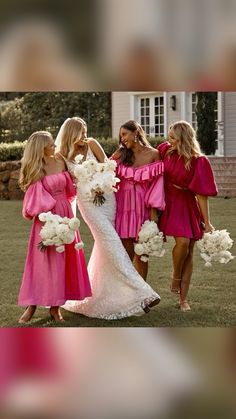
[212,292]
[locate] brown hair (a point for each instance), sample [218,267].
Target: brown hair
[127,155]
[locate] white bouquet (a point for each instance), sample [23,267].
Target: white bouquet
[96,178]
[58,231]
[150,241]
[214,247]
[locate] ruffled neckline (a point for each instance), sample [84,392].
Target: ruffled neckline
[141,173]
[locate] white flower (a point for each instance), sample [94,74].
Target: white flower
[139,249]
[60,249]
[79,246]
[74,223]
[57,230]
[144,258]
[79,158]
[214,247]
[93,177]
[150,241]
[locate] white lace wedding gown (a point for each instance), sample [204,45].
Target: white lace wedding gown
[117,289]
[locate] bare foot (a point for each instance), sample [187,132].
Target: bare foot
[27,315]
[56,314]
[184,306]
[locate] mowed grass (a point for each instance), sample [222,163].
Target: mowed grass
[212,291]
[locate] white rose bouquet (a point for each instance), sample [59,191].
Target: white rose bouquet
[214,247]
[57,231]
[96,178]
[150,241]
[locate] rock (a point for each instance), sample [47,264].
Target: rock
[5,176]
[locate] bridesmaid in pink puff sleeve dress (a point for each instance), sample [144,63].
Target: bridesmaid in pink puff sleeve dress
[50,278]
[141,191]
[189,180]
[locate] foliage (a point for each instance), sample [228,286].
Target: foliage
[48,110]
[11,151]
[14,150]
[206,121]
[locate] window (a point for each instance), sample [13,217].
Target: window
[159,116]
[151,115]
[145,114]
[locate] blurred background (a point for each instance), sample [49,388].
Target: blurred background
[118,373]
[117,45]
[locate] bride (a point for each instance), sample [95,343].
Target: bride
[118,290]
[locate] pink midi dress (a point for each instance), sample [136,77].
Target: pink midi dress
[50,278]
[182,217]
[140,189]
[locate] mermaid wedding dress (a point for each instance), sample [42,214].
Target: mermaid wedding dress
[118,290]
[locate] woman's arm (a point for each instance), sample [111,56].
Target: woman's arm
[97,150]
[204,208]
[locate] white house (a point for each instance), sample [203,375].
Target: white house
[155,111]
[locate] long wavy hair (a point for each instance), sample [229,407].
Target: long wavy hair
[71,135]
[187,144]
[127,155]
[33,159]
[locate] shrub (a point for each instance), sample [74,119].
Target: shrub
[14,151]
[110,145]
[11,151]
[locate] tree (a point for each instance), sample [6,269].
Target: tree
[48,110]
[206,121]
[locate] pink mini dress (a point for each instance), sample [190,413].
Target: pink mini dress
[50,278]
[182,217]
[140,189]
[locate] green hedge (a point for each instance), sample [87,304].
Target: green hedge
[11,151]
[14,151]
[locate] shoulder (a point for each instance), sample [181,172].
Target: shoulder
[155,154]
[163,148]
[92,142]
[60,160]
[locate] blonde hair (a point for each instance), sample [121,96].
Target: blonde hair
[33,159]
[71,136]
[187,144]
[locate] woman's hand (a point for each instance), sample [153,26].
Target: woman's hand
[208,228]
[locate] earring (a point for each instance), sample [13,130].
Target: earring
[135,139]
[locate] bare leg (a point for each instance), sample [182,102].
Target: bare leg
[129,247]
[141,267]
[179,255]
[186,278]
[55,314]
[27,315]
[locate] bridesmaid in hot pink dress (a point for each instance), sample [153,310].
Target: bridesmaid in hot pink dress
[189,180]
[141,192]
[50,278]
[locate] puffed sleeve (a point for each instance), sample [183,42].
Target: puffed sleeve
[70,187]
[162,148]
[155,196]
[203,181]
[37,200]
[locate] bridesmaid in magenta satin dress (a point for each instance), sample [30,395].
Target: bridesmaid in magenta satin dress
[188,180]
[50,278]
[141,190]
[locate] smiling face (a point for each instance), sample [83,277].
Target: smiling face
[49,150]
[127,137]
[172,139]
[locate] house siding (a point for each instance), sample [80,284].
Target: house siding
[173,116]
[121,110]
[230,123]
